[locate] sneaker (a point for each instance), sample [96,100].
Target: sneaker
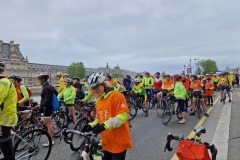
[182,121]
[229,100]
[146,114]
[47,144]
[192,114]
[221,100]
[206,114]
[211,104]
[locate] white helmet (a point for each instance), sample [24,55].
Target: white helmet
[95,79]
[138,80]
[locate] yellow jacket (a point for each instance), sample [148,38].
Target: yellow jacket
[8,103]
[61,85]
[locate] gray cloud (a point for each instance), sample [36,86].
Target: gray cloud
[138,34]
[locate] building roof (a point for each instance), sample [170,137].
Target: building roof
[6,49]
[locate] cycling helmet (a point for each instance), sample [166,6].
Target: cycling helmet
[2,66]
[167,75]
[109,76]
[195,77]
[43,76]
[58,74]
[147,73]
[95,79]
[68,80]
[177,77]
[157,73]
[16,78]
[137,80]
[65,74]
[127,77]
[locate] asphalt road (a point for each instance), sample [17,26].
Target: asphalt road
[148,136]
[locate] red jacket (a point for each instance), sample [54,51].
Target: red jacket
[186,84]
[157,83]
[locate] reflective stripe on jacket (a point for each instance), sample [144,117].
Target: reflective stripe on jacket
[8,103]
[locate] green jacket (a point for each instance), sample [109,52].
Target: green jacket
[180,91]
[147,82]
[68,94]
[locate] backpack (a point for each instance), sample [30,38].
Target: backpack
[55,102]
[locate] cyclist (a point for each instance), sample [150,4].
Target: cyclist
[181,95]
[139,89]
[127,83]
[186,84]
[68,95]
[147,82]
[168,86]
[209,91]
[111,118]
[46,103]
[78,86]
[225,83]
[157,81]
[196,86]
[110,80]
[8,112]
[22,94]
[59,75]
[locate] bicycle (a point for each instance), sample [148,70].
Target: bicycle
[27,147]
[162,104]
[197,95]
[192,148]
[137,103]
[61,119]
[131,107]
[91,148]
[88,109]
[170,109]
[153,99]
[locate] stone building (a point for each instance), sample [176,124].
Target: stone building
[17,64]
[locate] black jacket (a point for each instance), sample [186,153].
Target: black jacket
[46,95]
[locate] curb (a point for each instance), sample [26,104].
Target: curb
[221,135]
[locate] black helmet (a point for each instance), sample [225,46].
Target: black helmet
[195,77]
[77,78]
[43,76]
[16,78]
[2,66]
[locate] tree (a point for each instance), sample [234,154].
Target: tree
[206,67]
[76,69]
[117,75]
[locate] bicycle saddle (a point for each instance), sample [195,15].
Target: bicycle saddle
[199,130]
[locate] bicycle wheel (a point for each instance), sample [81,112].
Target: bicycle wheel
[24,126]
[167,114]
[199,109]
[161,107]
[179,113]
[59,121]
[77,140]
[132,111]
[33,148]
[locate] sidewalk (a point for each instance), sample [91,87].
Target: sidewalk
[234,136]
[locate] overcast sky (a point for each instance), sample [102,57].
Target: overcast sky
[139,35]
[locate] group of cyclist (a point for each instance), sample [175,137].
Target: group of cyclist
[111,106]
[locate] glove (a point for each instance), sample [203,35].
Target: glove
[86,128]
[98,128]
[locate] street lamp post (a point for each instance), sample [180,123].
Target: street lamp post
[196,65]
[184,69]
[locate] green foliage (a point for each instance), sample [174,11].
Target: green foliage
[76,69]
[206,66]
[117,75]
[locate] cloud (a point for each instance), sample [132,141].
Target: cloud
[138,35]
